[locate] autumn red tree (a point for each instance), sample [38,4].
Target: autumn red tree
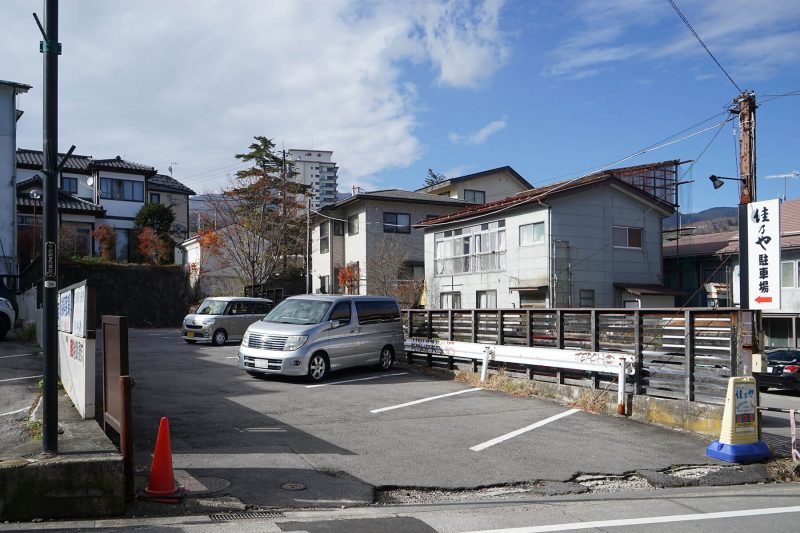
[151,245]
[106,237]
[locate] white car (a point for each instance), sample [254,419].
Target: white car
[6,317]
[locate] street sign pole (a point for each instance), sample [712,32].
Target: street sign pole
[50,47]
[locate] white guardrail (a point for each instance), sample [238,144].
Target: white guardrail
[603,362]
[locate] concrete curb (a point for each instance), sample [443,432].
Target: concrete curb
[85,479]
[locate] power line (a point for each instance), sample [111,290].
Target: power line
[678,11]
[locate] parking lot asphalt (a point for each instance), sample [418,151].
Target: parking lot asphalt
[363,429]
[20,372]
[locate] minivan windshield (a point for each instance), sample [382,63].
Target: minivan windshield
[298,311]
[211,307]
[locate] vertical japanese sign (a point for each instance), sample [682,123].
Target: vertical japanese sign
[745,394]
[764,254]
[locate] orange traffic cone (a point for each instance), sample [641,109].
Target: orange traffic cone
[162,481]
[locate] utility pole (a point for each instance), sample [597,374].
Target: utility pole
[745,105]
[308,246]
[51,49]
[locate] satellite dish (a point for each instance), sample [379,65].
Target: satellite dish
[90,181]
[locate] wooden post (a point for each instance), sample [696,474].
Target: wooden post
[637,351]
[688,341]
[474,326]
[528,328]
[126,435]
[430,324]
[499,327]
[560,329]
[450,324]
[593,329]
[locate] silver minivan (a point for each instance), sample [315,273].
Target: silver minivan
[313,334]
[220,319]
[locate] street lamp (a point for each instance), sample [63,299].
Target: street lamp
[35,195]
[717,182]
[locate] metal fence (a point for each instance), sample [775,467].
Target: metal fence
[686,354]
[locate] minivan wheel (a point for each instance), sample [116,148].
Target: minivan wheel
[387,358]
[318,367]
[219,337]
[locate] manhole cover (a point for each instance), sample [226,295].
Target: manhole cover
[293,486]
[200,485]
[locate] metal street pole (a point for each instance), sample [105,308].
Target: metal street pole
[50,47]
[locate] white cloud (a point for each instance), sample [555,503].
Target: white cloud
[194,82]
[608,33]
[480,136]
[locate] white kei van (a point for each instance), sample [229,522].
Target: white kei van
[313,334]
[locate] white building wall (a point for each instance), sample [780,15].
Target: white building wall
[584,219]
[371,240]
[120,208]
[8,202]
[495,186]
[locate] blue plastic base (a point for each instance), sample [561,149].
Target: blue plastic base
[738,453]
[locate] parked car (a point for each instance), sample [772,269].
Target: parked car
[7,315]
[783,370]
[9,295]
[221,319]
[314,334]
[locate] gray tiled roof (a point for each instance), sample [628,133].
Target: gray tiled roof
[160,182]
[35,160]
[117,163]
[66,201]
[399,195]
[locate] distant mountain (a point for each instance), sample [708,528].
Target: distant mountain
[709,221]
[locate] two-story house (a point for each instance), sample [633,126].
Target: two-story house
[594,241]
[115,187]
[373,234]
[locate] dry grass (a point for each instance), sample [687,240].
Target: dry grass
[499,382]
[784,470]
[591,401]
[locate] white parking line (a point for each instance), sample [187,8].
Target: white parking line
[601,524]
[14,412]
[15,355]
[359,379]
[513,434]
[415,402]
[17,379]
[233,357]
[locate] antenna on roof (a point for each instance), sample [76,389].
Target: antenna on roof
[170,167]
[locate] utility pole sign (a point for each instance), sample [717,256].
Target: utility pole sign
[764,259]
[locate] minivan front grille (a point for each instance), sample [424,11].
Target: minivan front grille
[266,342]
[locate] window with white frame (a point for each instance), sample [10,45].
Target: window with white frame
[530,234]
[486,299]
[450,300]
[479,248]
[790,274]
[627,237]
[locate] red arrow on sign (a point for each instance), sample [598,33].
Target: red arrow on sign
[764,299]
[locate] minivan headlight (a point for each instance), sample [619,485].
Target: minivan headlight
[208,321]
[294,342]
[246,338]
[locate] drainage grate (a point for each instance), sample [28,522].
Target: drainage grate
[225,517]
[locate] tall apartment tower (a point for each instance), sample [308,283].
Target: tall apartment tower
[315,168]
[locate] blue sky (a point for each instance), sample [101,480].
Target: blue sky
[554,89]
